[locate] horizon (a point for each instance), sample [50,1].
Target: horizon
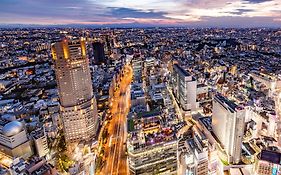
[125,26]
[153,13]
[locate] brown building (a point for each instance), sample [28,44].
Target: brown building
[78,105]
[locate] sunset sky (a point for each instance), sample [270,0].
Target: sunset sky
[228,13]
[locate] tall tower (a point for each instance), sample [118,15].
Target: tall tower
[78,105]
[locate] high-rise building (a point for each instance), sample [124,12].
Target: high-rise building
[137,65]
[78,105]
[228,125]
[184,88]
[109,44]
[99,55]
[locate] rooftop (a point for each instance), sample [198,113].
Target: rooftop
[181,70]
[224,101]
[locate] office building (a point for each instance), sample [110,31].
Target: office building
[109,44]
[13,139]
[268,163]
[137,65]
[228,126]
[184,88]
[99,55]
[77,103]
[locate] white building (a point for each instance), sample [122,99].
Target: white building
[193,154]
[40,141]
[184,88]
[13,139]
[228,125]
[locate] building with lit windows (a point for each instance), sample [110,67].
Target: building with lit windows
[184,88]
[228,126]
[78,105]
[268,163]
[152,148]
[193,153]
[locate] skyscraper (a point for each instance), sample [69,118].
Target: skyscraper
[78,105]
[184,88]
[99,55]
[228,125]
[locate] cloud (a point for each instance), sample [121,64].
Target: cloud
[238,21]
[241,11]
[166,12]
[257,1]
[134,13]
[206,4]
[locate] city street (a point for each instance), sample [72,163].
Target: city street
[114,148]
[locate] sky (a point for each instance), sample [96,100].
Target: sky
[196,13]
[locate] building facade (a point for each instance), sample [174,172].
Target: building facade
[99,55]
[156,159]
[152,148]
[193,153]
[268,163]
[228,126]
[184,88]
[39,138]
[77,103]
[13,139]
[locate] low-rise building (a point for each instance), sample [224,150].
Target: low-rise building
[13,139]
[152,148]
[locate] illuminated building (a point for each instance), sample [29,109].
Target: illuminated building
[268,163]
[109,44]
[149,64]
[137,65]
[228,125]
[195,159]
[184,88]
[152,149]
[233,70]
[78,105]
[13,139]
[271,82]
[202,93]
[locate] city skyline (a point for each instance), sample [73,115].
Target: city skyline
[140,101]
[126,13]
[126,87]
